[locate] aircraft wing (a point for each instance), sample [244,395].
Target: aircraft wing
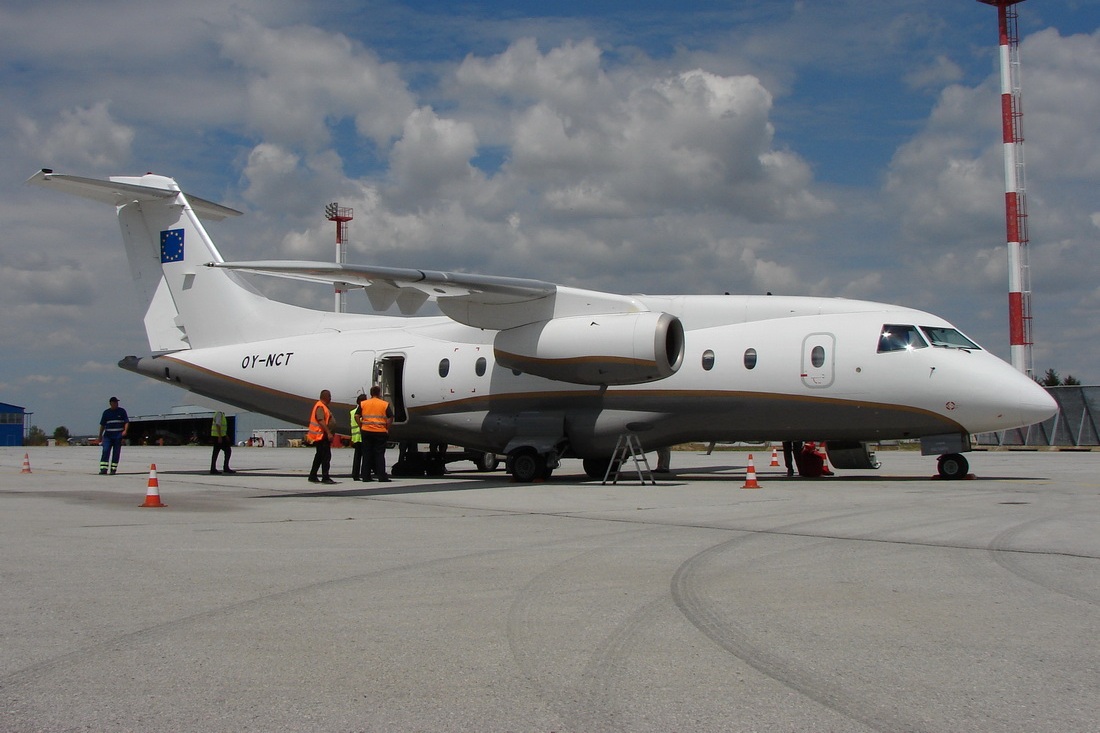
[482,301]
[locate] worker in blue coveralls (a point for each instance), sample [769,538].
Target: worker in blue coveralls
[112,429]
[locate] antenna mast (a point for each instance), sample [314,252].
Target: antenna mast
[1019,271]
[334,212]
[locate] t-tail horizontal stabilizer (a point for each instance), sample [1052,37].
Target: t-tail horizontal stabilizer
[187,305]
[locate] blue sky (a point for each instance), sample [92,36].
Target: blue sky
[826,148]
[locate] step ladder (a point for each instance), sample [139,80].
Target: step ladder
[628,447]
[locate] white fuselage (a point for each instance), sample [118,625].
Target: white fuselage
[749,373]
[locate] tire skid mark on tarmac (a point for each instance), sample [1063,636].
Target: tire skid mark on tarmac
[27,675]
[591,703]
[29,672]
[588,703]
[608,662]
[688,594]
[1021,563]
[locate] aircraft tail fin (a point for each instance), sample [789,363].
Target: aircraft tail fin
[188,305]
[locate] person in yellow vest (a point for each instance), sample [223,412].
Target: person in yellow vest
[375,418]
[219,436]
[321,428]
[356,441]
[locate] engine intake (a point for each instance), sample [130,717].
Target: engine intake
[614,348]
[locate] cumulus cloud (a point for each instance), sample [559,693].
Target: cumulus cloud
[82,136]
[302,80]
[593,143]
[565,76]
[948,180]
[934,75]
[66,285]
[433,156]
[589,158]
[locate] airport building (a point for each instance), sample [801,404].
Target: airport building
[13,422]
[188,424]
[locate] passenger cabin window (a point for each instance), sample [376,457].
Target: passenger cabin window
[708,360]
[750,358]
[900,338]
[479,366]
[948,338]
[444,367]
[817,357]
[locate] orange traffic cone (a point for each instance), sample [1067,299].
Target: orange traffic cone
[750,476]
[152,494]
[775,458]
[26,463]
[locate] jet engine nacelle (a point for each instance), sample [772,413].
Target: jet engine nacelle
[616,348]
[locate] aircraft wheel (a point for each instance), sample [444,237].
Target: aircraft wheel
[526,465]
[596,468]
[953,466]
[434,465]
[486,462]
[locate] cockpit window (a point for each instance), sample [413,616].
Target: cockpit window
[900,338]
[948,338]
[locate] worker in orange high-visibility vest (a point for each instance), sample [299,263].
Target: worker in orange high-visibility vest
[375,418]
[321,428]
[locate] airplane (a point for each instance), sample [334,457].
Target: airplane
[536,371]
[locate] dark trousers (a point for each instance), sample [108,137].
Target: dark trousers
[375,459]
[112,449]
[221,444]
[357,460]
[791,448]
[322,458]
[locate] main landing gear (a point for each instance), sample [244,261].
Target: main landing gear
[527,465]
[414,462]
[953,466]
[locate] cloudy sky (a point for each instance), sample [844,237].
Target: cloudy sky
[839,148]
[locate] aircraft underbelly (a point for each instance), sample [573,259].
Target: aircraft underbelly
[662,418]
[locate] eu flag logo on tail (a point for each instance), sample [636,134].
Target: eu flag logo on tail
[171,245]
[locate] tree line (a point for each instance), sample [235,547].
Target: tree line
[1053,379]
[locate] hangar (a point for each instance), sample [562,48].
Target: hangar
[13,421]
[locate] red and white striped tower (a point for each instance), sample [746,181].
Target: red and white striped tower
[1019,272]
[340,215]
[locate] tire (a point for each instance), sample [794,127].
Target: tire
[526,465]
[434,465]
[596,468]
[953,466]
[486,462]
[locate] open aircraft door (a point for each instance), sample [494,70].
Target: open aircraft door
[389,372]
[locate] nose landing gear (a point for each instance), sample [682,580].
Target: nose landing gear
[953,466]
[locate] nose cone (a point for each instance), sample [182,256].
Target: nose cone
[991,395]
[1036,404]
